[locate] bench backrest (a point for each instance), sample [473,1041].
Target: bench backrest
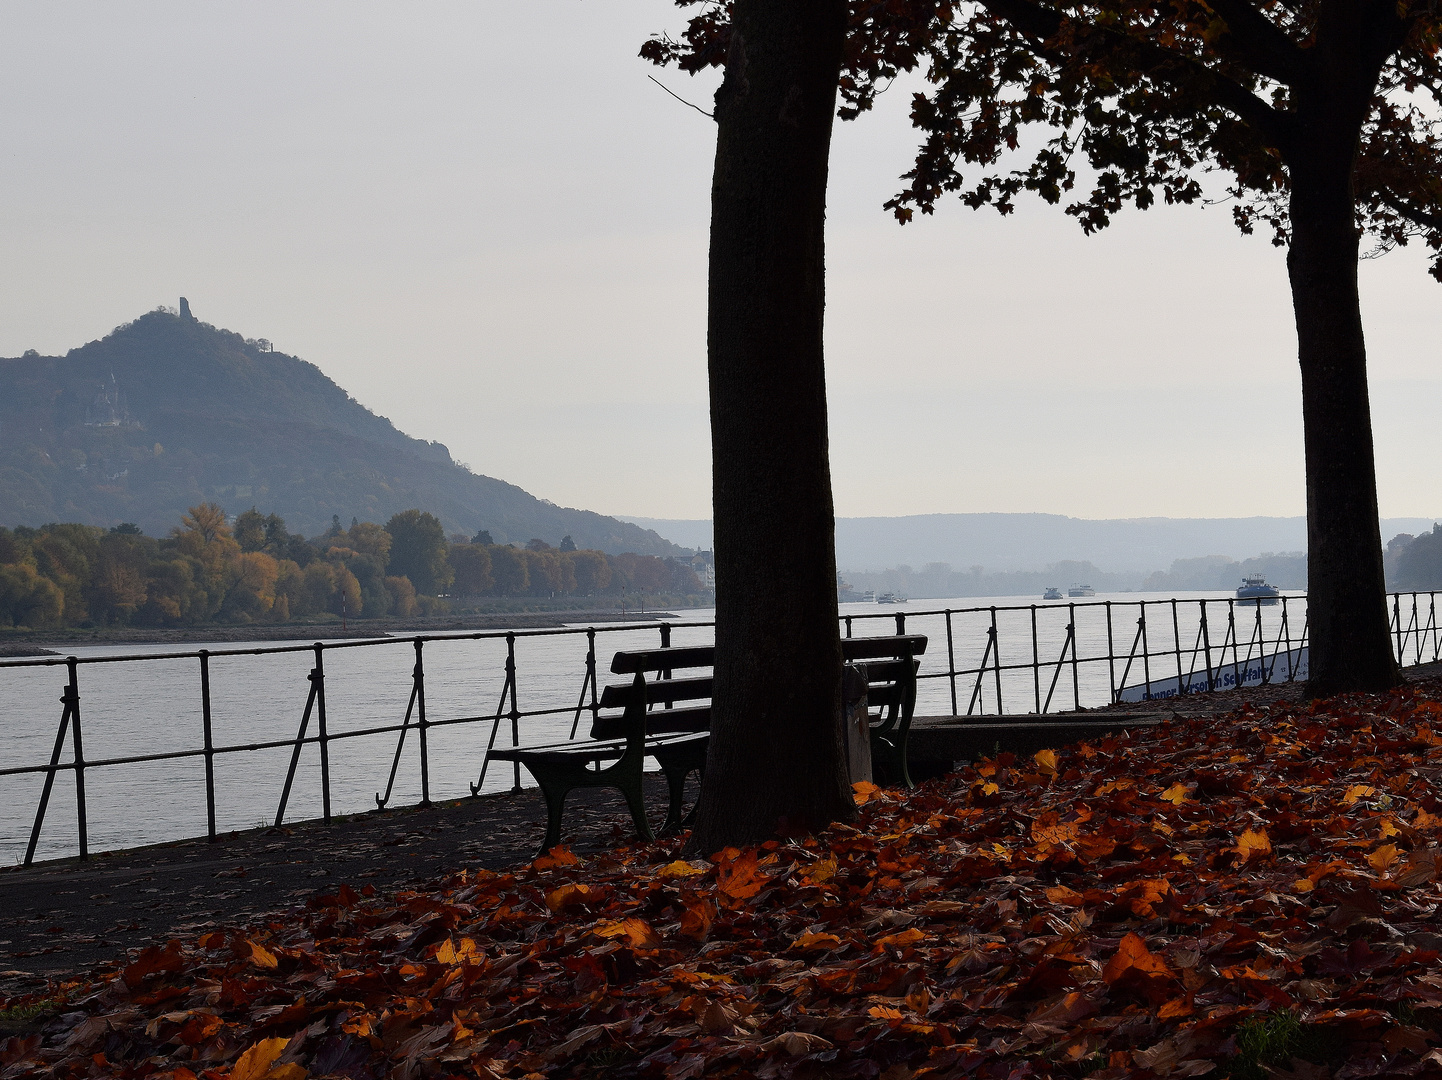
[891,664]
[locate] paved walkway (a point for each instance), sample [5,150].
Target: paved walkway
[67,918]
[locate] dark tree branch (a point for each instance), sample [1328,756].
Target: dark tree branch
[1261,43]
[1042,24]
[1428,219]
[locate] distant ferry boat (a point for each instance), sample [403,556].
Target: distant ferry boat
[1256,588]
[1081,590]
[886,598]
[1052,593]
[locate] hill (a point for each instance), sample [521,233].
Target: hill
[1005,543]
[167,412]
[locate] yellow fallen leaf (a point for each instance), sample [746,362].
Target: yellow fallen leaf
[289,1071]
[1303,884]
[558,900]
[884,1012]
[1254,844]
[678,869]
[1045,761]
[255,1062]
[821,870]
[1357,791]
[262,957]
[1176,794]
[1389,828]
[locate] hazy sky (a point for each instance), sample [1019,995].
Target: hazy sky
[482,220]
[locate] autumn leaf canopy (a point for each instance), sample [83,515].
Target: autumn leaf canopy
[1105,103]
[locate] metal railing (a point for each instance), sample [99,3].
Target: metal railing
[1187,640]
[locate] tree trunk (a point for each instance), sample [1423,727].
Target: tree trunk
[1347,595]
[777,756]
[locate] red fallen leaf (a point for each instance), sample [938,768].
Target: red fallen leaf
[737,874]
[696,920]
[153,960]
[197,1029]
[1134,967]
[557,856]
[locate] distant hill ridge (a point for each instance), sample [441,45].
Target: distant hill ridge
[167,411]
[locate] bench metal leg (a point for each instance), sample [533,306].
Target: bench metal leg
[637,805]
[676,783]
[555,807]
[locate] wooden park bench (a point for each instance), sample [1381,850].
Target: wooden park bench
[619,744]
[650,724]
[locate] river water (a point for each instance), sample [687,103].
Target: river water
[154,706]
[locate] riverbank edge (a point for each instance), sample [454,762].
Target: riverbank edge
[12,639]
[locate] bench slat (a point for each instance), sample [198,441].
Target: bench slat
[658,721]
[861,648]
[628,663]
[657,693]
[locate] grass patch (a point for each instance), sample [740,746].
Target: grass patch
[1276,1039]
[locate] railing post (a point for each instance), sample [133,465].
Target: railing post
[665,635]
[1207,646]
[209,744]
[1035,662]
[321,731]
[67,699]
[848,625]
[419,676]
[1146,659]
[1397,622]
[1111,654]
[900,623]
[515,714]
[588,682]
[1182,682]
[299,744]
[950,661]
[997,638]
[1075,668]
[74,691]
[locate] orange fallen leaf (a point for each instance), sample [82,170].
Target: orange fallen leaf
[256,1061]
[884,1012]
[637,932]
[822,870]
[909,936]
[696,920]
[1046,762]
[1177,793]
[568,896]
[1133,956]
[1383,857]
[815,942]
[1061,894]
[863,792]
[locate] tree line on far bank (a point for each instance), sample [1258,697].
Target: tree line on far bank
[255,570]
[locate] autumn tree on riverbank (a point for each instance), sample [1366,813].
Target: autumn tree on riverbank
[1322,113]
[776,755]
